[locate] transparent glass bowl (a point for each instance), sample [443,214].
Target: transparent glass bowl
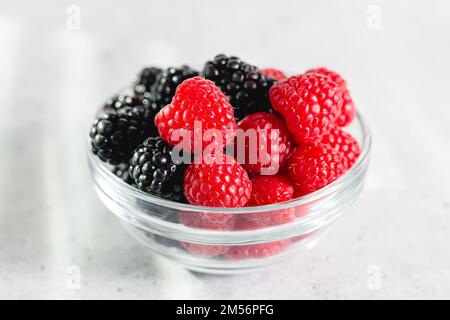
[189,235]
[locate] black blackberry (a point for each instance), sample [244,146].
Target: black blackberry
[120,101]
[166,83]
[137,108]
[155,172]
[115,135]
[145,81]
[244,85]
[121,171]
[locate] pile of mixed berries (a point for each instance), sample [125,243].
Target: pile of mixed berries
[300,119]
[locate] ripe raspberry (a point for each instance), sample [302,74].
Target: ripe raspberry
[271,139]
[204,249]
[257,250]
[274,74]
[345,144]
[268,190]
[218,181]
[310,105]
[312,167]
[300,211]
[348,110]
[198,105]
[242,223]
[207,220]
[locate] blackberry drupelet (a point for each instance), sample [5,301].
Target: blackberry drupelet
[145,81]
[244,85]
[114,136]
[120,101]
[166,84]
[136,107]
[154,171]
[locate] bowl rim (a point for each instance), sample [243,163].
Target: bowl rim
[342,181]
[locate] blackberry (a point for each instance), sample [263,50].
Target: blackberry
[121,171]
[145,81]
[244,85]
[154,171]
[115,135]
[166,84]
[137,108]
[120,101]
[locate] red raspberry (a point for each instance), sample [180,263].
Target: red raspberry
[345,144]
[274,73]
[204,249]
[218,181]
[269,136]
[348,110]
[261,250]
[198,105]
[312,167]
[268,190]
[207,220]
[309,103]
[247,224]
[300,210]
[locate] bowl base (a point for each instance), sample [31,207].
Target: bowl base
[206,265]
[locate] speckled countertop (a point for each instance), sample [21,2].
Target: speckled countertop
[393,243]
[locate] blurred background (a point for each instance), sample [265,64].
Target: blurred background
[59,60]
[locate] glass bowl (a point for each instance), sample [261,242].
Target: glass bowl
[190,235]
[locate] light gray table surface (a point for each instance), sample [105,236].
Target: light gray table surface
[393,243]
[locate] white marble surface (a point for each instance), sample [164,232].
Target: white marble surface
[394,242]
